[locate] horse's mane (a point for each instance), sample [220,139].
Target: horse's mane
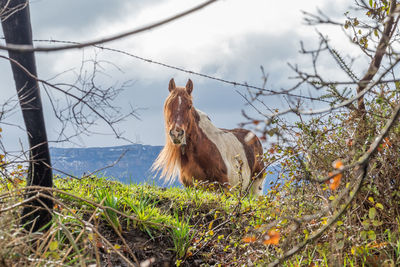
[168,161]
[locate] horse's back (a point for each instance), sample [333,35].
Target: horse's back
[229,147]
[237,145]
[254,153]
[252,146]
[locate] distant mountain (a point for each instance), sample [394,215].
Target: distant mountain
[128,164]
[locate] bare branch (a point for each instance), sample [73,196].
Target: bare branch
[380,52]
[29,48]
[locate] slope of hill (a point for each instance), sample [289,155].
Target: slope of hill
[98,222]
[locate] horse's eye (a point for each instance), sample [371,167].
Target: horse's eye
[190,106]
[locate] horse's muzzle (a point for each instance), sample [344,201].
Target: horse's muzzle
[177,136]
[176,141]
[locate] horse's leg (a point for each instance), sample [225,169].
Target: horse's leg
[258,176]
[185,181]
[257,188]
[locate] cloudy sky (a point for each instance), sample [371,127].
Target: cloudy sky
[230,39]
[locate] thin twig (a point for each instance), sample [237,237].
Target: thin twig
[29,48]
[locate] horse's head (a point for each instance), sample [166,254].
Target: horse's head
[178,112]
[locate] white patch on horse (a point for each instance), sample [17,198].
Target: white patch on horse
[231,150]
[179,118]
[249,136]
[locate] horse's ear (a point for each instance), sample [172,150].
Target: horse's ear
[171,85]
[189,86]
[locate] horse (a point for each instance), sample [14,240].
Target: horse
[196,150]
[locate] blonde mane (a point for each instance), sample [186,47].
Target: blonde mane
[168,161]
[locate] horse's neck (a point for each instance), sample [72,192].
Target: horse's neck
[205,125]
[195,136]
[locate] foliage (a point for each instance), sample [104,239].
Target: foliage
[338,192]
[213,228]
[94,217]
[360,235]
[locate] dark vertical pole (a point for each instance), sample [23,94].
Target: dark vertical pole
[17,30]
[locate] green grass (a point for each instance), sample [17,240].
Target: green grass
[108,199]
[96,220]
[182,235]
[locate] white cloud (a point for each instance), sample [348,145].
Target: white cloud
[229,39]
[198,39]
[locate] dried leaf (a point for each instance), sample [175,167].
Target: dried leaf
[99,244]
[272,238]
[338,164]
[349,142]
[374,244]
[17,181]
[386,142]
[249,239]
[334,182]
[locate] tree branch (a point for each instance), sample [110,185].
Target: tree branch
[30,48]
[380,52]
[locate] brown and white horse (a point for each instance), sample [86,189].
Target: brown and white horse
[196,149]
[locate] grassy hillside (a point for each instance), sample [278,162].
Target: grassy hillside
[111,224]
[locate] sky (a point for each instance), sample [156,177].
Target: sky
[230,40]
